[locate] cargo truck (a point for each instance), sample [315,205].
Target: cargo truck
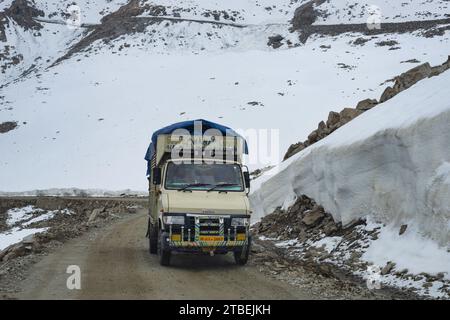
[198,191]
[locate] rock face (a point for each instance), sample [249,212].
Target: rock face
[336,120]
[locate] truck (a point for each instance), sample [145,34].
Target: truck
[198,191]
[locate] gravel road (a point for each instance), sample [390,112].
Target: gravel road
[115,264]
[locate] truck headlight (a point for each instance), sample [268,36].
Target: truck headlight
[173,220]
[239,222]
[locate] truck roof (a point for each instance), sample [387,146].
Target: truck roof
[194,127]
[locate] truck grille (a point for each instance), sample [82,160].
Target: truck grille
[207,226]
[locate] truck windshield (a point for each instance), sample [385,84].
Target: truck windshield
[190,176]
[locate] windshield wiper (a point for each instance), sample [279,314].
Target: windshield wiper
[223,185]
[191,185]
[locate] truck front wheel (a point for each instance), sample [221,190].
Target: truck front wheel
[163,253]
[241,255]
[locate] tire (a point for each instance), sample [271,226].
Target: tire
[153,238]
[241,255]
[163,253]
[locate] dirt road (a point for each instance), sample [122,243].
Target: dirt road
[115,264]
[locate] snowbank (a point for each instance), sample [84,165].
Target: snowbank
[391,163]
[16,235]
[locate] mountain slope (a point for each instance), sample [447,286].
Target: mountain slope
[86,120]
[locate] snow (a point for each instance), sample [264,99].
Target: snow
[350,11]
[5,4]
[136,96]
[20,218]
[248,11]
[16,235]
[409,251]
[91,10]
[16,215]
[390,165]
[328,243]
[379,164]
[42,217]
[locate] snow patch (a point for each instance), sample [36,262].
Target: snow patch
[16,235]
[16,215]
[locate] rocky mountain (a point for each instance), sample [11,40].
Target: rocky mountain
[79,77]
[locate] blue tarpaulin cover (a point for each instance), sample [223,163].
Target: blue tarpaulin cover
[188,125]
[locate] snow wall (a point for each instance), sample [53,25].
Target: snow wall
[392,163]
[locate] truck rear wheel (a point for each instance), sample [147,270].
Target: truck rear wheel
[153,238]
[163,253]
[241,255]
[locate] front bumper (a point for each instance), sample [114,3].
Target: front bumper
[207,233]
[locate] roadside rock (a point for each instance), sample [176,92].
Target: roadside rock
[94,215]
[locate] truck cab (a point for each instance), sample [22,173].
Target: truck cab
[197,204]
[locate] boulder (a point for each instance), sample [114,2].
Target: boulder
[333,119]
[388,93]
[313,217]
[367,104]
[349,114]
[313,136]
[402,229]
[411,77]
[275,41]
[94,215]
[387,268]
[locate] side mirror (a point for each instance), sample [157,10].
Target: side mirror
[156,175]
[247,179]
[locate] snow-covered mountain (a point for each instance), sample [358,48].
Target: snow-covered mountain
[84,101]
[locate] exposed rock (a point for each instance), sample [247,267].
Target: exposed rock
[275,41]
[387,268]
[411,77]
[333,119]
[7,126]
[22,13]
[388,93]
[367,104]
[313,217]
[360,41]
[306,14]
[349,114]
[94,215]
[402,229]
[387,43]
[313,136]
[411,61]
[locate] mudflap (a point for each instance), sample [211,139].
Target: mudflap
[241,254]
